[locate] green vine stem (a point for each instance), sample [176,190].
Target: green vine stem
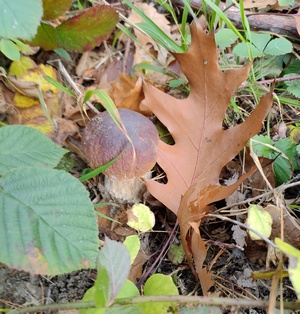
[179,300]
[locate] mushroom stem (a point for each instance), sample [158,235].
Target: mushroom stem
[129,190]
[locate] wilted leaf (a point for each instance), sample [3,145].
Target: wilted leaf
[21,66]
[259,220]
[202,147]
[88,29]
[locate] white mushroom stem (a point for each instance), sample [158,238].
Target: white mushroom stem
[129,190]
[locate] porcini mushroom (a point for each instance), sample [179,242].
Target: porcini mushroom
[103,140]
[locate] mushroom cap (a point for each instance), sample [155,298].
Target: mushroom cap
[102,141]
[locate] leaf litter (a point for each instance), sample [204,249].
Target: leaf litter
[202,145]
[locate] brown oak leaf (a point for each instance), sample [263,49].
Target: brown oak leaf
[202,146]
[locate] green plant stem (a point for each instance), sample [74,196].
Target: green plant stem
[180,300]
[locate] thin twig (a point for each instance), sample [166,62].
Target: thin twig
[243,226]
[176,299]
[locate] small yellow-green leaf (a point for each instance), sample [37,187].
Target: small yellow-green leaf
[159,284]
[176,253]
[140,218]
[133,245]
[294,263]
[259,220]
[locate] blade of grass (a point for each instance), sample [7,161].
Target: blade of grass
[225,19]
[55,83]
[154,31]
[99,170]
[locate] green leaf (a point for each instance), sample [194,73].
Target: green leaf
[45,37]
[102,293]
[63,53]
[133,245]
[23,146]
[278,46]
[293,86]
[88,29]
[159,284]
[242,50]
[294,263]
[55,8]
[10,49]
[260,41]
[176,253]
[259,220]
[283,167]
[48,224]
[115,258]
[140,218]
[20,19]
[225,37]
[128,290]
[262,150]
[283,3]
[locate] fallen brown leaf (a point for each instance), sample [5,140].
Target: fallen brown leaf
[202,147]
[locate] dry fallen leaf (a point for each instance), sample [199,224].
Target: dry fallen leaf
[202,147]
[260,4]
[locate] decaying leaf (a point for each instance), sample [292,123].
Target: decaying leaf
[29,86]
[202,147]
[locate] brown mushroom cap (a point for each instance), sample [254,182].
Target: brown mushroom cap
[103,140]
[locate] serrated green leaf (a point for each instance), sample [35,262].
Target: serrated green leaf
[102,287]
[87,30]
[278,46]
[20,19]
[225,37]
[282,170]
[10,49]
[23,146]
[115,258]
[45,37]
[260,149]
[48,224]
[133,245]
[159,284]
[55,8]
[294,263]
[128,290]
